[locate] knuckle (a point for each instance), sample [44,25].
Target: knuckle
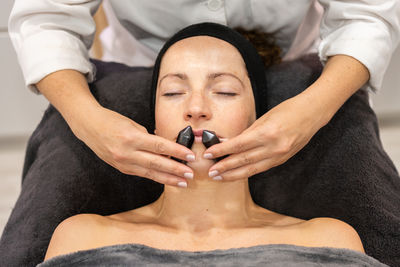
[284,148]
[117,156]
[239,146]
[126,136]
[245,160]
[148,174]
[154,164]
[251,171]
[171,182]
[283,160]
[272,133]
[141,128]
[264,136]
[176,169]
[159,147]
[123,169]
[133,170]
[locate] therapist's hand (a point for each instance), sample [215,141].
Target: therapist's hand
[127,146]
[269,141]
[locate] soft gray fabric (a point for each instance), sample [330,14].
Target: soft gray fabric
[263,255]
[343,172]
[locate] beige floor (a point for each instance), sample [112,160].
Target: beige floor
[12,152]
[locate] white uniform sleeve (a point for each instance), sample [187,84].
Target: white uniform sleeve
[51,35]
[367,30]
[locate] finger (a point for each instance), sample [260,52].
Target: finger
[157,176]
[240,143]
[161,163]
[160,145]
[238,160]
[248,170]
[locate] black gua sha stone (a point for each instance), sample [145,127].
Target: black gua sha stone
[185,138]
[210,138]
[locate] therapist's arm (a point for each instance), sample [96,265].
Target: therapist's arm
[116,139]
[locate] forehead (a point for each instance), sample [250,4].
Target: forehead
[203,51]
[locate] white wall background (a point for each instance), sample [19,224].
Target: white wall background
[387,101]
[21,110]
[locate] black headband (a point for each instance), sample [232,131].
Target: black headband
[253,61]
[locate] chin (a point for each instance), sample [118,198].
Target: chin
[201,165]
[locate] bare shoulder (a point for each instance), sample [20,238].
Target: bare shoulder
[332,232]
[75,233]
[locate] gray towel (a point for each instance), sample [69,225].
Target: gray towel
[263,255]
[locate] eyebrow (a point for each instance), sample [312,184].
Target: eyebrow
[210,76]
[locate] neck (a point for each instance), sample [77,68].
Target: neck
[205,204]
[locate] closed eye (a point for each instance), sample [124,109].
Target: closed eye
[172,94]
[226,93]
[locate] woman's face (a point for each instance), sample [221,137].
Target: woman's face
[203,83]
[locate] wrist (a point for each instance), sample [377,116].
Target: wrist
[341,78]
[320,104]
[81,119]
[69,93]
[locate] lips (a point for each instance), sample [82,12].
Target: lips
[198,135]
[198,132]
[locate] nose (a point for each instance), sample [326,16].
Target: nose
[197,107]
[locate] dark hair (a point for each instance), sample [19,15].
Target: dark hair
[265,45]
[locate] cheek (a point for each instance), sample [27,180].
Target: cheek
[239,118]
[161,122]
[166,121]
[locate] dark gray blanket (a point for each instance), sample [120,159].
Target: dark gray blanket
[342,173]
[263,255]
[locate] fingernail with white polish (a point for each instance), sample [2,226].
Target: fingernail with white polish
[190,157]
[208,156]
[182,184]
[188,175]
[217,178]
[213,173]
